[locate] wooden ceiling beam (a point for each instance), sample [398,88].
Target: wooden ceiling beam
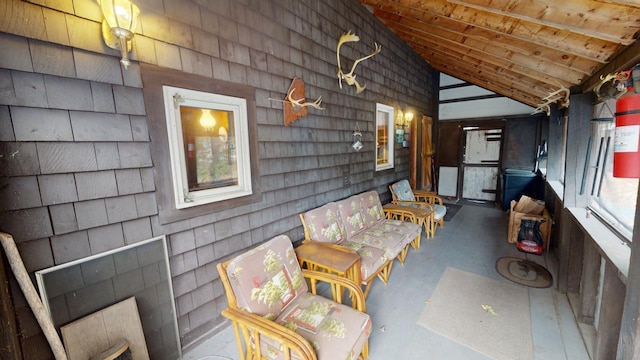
[413,38]
[626,60]
[488,38]
[632,3]
[558,16]
[574,44]
[500,74]
[528,63]
[450,69]
[497,73]
[510,84]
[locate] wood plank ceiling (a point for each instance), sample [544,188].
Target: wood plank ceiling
[522,49]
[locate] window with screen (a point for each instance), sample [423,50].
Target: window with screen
[209,146]
[384,137]
[612,199]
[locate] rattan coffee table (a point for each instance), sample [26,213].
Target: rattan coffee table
[330,258]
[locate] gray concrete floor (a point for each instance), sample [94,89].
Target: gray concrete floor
[472,241]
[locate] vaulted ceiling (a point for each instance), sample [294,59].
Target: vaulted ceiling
[527,50]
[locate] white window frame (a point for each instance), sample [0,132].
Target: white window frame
[617,211]
[388,111]
[174,98]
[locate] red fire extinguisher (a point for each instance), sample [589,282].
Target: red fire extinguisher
[626,149]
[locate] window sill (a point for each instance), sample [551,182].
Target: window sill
[557,188]
[609,245]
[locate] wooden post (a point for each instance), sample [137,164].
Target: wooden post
[610,314]
[9,343]
[589,283]
[20,272]
[629,341]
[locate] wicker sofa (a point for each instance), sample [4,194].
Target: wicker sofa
[360,224]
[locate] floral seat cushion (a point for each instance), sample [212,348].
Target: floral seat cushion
[402,191]
[335,331]
[371,258]
[352,216]
[371,208]
[439,211]
[409,230]
[267,281]
[325,224]
[390,242]
[267,278]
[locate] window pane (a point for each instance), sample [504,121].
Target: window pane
[613,199]
[208,145]
[383,137]
[208,137]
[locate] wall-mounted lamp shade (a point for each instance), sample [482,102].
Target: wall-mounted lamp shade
[121,18]
[207,120]
[604,111]
[408,116]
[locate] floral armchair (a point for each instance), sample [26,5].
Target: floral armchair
[276,317]
[402,194]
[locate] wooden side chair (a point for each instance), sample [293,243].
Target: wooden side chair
[402,194]
[277,315]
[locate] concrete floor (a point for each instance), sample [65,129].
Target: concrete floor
[472,241]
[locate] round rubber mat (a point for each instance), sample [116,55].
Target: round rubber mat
[524,272]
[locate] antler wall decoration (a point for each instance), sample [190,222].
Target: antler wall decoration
[301,103]
[561,96]
[295,105]
[350,77]
[542,108]
[612,86]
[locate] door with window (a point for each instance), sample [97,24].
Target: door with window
[481,163]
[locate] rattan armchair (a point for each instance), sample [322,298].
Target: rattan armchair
[276,314]
[403,194]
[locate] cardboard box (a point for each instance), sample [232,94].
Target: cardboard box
[529,205]
[516,217]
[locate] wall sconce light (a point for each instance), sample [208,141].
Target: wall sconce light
[118,26]
[408,116]
[207,120]
[405,122]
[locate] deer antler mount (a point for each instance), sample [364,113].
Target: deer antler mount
[560,97]
[350,77]
[295,105]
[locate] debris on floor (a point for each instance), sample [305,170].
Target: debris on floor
[489,309]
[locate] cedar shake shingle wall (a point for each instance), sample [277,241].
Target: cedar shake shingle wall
[77,175]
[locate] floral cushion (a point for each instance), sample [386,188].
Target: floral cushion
[409,230]
[351,215]
[371,208]
[439,211]
[324,224]
[371,258]
[390,242]
[402,191]
[267,278]
[335,331]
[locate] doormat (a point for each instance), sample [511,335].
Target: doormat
[489,316]
[452,210]
[524,272]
